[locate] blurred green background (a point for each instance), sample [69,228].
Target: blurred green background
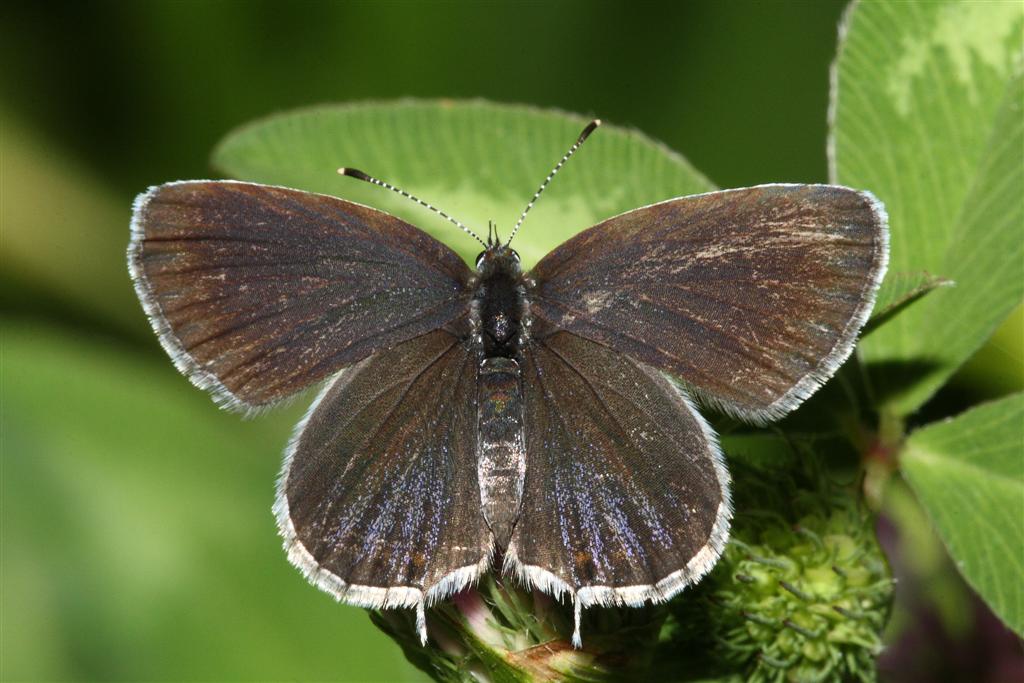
[137,536]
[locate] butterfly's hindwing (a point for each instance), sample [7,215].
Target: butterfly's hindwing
[379,500]
[626,497]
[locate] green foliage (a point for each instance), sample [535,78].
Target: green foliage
[928,107]
[55,244]
[115,425]
[968,472]
[928,114]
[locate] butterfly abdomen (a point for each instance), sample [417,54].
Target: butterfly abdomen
[501,454]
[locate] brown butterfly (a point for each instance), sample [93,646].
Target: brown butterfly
[543,418]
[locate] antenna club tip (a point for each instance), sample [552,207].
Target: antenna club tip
[353,173]
[588,130]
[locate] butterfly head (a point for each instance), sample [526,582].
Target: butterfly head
[497,258]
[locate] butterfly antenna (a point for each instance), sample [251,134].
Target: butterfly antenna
[572,150]
[355,173]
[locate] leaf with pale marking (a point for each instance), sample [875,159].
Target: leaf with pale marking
[928,113]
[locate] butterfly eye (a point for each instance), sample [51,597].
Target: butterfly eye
[515,255]
[480,258]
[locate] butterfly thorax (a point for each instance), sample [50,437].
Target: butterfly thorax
[499,303]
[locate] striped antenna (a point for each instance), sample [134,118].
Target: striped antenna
[354,173]
[572,150]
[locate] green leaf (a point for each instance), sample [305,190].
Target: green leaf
[998,368]
[901,290]
[968,473]
[927,113]
[145,544]
[475,160]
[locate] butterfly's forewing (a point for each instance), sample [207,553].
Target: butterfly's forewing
[379,501]
[258,291]
[752,297]
[626,495]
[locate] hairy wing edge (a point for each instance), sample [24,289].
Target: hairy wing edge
[182,359]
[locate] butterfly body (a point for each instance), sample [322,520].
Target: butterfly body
[545,417]
[499,316]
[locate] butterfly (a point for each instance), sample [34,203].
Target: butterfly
[539,423]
